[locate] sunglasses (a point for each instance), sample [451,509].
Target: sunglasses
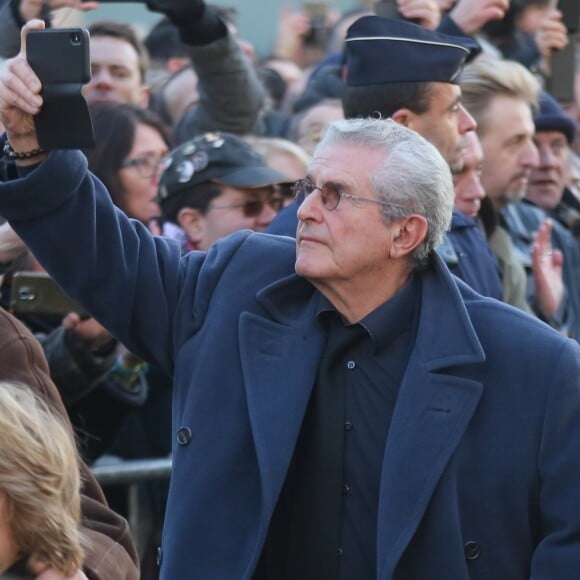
[254,207]
[330,195]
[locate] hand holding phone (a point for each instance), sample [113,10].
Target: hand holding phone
[60,58]
[317,13]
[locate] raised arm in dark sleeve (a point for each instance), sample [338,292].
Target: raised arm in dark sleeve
[230,94]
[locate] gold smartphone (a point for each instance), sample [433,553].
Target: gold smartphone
[38,293]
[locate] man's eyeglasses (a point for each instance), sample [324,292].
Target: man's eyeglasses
[147,165]
[254,207]
[330,195]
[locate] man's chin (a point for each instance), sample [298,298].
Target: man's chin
[515,195]
[306,267]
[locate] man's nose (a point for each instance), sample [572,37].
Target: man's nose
[466,121]
[477,191]
[311,208]
[547,159]
[101,77]
[530,157]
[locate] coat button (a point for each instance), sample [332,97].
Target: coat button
[472,550]
[184,435]
[159,556]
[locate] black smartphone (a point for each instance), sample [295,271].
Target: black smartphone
[317,13]
[570,10]
[38,293]
[60,58]
[560,83]
[387,9]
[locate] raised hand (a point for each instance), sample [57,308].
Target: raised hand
[425,12]
[20,96]
[30,9]
[88,329]
[471,15]
[552,34]
[178,10]
[547,271]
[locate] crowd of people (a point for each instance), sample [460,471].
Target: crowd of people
[394,393]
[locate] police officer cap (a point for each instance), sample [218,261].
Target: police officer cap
[382,50]
[219,158]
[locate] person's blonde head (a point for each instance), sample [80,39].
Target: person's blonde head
[39,479]
[487,78]
[281,154]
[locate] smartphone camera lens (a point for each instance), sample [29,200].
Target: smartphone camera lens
[75,38]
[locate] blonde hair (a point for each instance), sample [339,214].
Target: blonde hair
[39,475]
[488,77]
[267,146]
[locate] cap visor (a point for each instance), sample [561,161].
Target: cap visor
[253,177]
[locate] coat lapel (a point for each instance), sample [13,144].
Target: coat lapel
[277,393]
[433,410]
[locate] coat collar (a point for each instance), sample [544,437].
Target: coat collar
[446,336]
[442,309]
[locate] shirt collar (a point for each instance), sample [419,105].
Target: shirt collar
[387,322]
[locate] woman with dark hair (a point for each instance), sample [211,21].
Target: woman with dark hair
[131,147]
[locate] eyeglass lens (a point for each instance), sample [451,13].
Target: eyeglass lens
[329,192]
[146,166]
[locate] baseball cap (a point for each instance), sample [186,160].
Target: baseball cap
[218,157]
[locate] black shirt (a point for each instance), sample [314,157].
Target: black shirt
[325,521]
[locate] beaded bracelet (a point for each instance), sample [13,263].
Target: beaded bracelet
[11,154]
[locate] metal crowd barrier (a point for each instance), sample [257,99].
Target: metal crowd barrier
[131,473]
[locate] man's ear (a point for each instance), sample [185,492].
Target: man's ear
[408,233]
[404,117]
[192,222]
